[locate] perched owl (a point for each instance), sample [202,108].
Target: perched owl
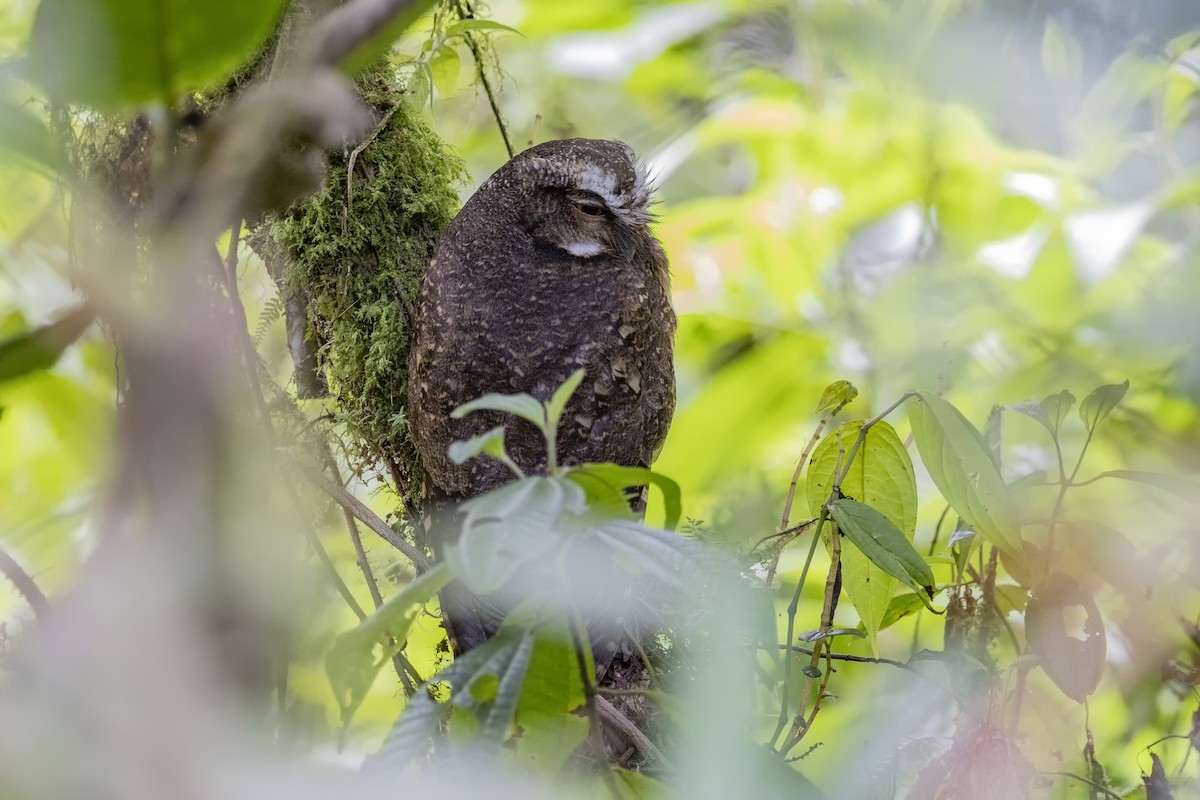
[550,267]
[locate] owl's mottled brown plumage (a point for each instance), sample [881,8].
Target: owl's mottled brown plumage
[549,267]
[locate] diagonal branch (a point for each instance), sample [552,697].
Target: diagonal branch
[25,585]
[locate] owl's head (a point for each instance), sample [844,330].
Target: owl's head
[585,196]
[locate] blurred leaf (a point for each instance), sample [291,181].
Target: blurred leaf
[883,543]
[835,396]
[519,405]
[445,68]
[1181,487]
[509,527]
[617,478]
[381,42]
[112,54]
[1109,553]
[40,348]
[1062,56]
[1100,403]
[639,786]
[351,663]
[960,463]
[1075,665]
[23,134]
[472,25]
[881,476]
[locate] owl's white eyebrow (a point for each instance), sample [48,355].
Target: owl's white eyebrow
[583,249]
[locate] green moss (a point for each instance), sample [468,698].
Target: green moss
[360,269]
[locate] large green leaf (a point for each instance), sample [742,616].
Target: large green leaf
[881,476]
[550,726]
[353,663]
[113,54]
[960,463]
[883,543]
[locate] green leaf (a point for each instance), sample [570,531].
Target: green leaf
[883,543]
[23,134]
[960,463]
[40,348]
[558,401]
[490,443]
[519,405]
[550,728]
[835,396]
[472,25]
[1183,488]
[1051,411]
[882,477]
[616,478]
[352,664]
[1100,403]
[114,54]
[510,677]
[900,607]
[445,68]
[1109,553]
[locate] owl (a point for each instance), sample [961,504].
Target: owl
[549,268]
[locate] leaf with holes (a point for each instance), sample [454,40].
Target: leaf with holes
[1074,664]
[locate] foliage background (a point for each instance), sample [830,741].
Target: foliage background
[992,200]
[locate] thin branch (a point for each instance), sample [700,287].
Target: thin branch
[852,658]
[613,717]
[595,735]
[25,584]
[1099,787]
[465,12]
[368,517]
[355,153]
[399,661]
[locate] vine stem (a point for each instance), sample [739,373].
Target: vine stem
[840,471]
[25,584]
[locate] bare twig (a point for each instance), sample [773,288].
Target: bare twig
[368,517]
[1098,787]
[465,12]
[355,153]
[25,585]
[848,657]
[399,661]
[613,717]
